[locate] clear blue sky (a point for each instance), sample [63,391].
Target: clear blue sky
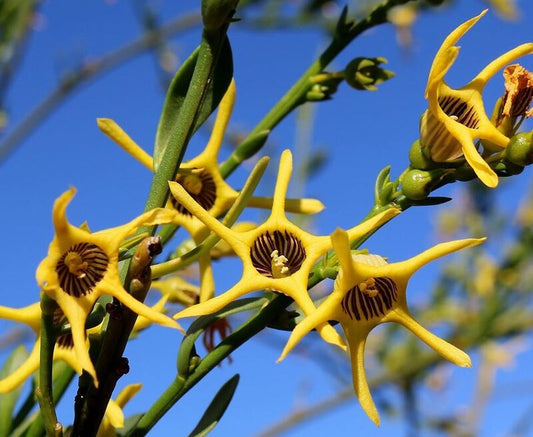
[362,131]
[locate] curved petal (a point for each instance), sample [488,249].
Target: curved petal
[59,217]
[207,283]
[282,185]
[211,222]
[447,53]
[23,372]
[110,128]
[326,311]
[114,414]
[225,108]
[407,268]
[372,224]
[298,206]
[442,347]
[356,341]
[127,394]
[216,303]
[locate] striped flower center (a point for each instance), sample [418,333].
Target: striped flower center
[200,186]
[460,111]
[64,341]
[81,268]
[277,254]
[370,299]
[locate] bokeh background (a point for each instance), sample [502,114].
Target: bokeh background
[353,136]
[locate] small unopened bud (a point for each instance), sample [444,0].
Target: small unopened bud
[418,158]
[324,86]
[416,184]
[520,149]
[366,73]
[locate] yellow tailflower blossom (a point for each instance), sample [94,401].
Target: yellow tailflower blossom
[114,416]
[456,117]
[276,255]
[177,290]
[202,179]
[82,266]
[31,316]
[367,292]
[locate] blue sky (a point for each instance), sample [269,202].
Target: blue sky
[362,132]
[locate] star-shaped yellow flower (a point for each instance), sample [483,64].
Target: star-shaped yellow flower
[276,255]
[203,181]
[456,117]
[31,316]
[82,266]
[367,292]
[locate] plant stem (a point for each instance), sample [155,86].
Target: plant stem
[181,385]
[296,94]
[44,390]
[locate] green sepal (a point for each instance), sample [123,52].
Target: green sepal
[8,400]
[216,408]
[384,189]
[221,78]
[429,201]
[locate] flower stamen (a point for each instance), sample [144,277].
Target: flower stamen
[370,299]
[277,254]
[80,268]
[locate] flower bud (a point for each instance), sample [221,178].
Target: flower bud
[416,184]
[322,90]
[366,73]
[418,158]
[216,13]
[520,149]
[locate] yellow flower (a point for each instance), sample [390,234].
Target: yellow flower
[456,117]
[276,255]
[82,266]
[31,316]
[367,292]
[177,290]
[114,416]
[203,181]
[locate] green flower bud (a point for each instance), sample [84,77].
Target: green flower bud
[520,149]
[216,13]
[323,90]
[418,158]
[366,73]
[416,184]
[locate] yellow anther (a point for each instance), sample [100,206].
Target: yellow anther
[76,265]
[279,269]
[368,287]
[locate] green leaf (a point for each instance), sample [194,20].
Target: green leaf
[221,78]
[8,400]
[216,408]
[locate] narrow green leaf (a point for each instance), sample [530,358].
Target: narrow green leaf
[216,408]
[129,424]
[221,78]
[8,400]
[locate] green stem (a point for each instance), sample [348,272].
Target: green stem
[44,390]
[61,383]
[181,385]
[296,94]
[210,47]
